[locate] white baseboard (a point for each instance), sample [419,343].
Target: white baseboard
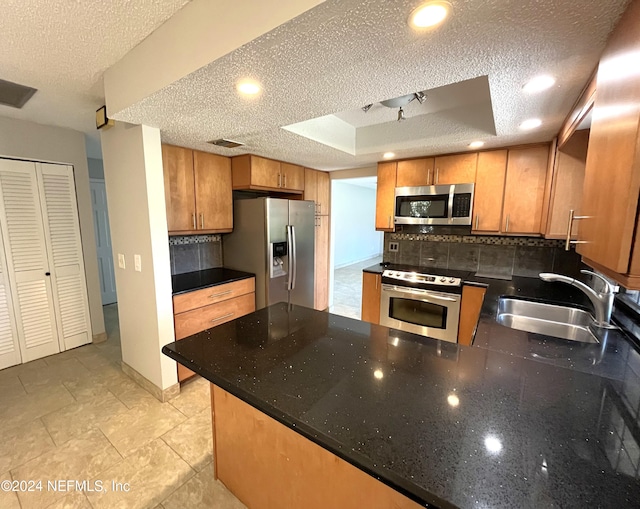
[370,257]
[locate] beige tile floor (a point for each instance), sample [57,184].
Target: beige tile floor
[76,416]
[347,288]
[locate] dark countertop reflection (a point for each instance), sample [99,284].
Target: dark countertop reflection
[190,281]
[444,424]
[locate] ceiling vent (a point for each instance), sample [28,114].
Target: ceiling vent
[226,143]
[14,95]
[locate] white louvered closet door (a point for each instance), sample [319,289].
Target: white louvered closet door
[9,346]
[27,260]
[62,231]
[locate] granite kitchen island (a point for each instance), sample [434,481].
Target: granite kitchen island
[385,419]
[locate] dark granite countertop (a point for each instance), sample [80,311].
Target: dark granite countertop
[191,281]
[446,425]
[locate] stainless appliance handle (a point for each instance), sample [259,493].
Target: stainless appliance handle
[290,252]
[295,257]
[422,293]
[452,191]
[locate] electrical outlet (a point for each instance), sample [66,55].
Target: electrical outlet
[137,263]
[393,247]
[121,263]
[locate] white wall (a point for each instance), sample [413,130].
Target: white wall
[36,142]
[353,212]
[132,158]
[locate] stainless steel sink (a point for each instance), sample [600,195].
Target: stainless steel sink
[548,319]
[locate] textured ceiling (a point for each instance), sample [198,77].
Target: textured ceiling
[347,53]
[62,47]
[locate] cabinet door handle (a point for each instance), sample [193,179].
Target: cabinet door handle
[377,282]
[284,180]
[213,295]
[228,315]
[279,180]
[568,241]
[428,176]
[477,220]
[389,222]
[202,221]
[319,207]
[437,175]
[193,218]
[506,226]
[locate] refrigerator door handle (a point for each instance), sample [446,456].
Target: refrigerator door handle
[290,252]
[295,257]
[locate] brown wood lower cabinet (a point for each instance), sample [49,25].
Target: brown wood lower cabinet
[472,299]
[202,309]
[267,465]
[371,293]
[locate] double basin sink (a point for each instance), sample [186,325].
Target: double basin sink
[548,319]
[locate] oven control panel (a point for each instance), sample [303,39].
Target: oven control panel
[417,277]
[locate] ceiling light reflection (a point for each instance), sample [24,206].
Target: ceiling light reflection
[378,374]
[388,155]
[476,144]
[493,445]
[453,400]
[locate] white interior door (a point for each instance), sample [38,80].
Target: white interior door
[27,260]
[103,241]
[9,346]
[62,231]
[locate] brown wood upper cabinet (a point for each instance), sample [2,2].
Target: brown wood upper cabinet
[524,190]
[489,191]
[197,188]
[415,172]
[259,173]
[455,169]
[386,196]
[612,174]
[567,181]
[316,188]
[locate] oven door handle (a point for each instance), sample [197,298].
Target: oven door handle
[421,293]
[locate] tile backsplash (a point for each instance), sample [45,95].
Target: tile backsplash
[488,256]
[195,252]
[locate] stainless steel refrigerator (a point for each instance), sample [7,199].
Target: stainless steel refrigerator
[274,239]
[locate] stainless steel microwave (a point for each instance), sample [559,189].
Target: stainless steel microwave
[439,205]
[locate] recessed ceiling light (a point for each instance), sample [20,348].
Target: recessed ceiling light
[476,144]
[429,14]
[248,87]
[388,155]
[539,83]
[532,123]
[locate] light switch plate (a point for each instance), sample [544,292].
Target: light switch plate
[121,263]
[137,263]
[393,247]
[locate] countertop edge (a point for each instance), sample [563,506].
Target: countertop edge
[211,285]
[427,500]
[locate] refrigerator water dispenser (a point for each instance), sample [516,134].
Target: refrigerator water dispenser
[277,259]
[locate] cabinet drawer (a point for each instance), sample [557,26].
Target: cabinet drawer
[197,320]
[206,296]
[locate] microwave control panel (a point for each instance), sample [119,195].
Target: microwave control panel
[461,205]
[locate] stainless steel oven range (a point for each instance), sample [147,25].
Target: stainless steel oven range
[424,304]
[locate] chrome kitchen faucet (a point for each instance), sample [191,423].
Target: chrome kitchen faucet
[602,300]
